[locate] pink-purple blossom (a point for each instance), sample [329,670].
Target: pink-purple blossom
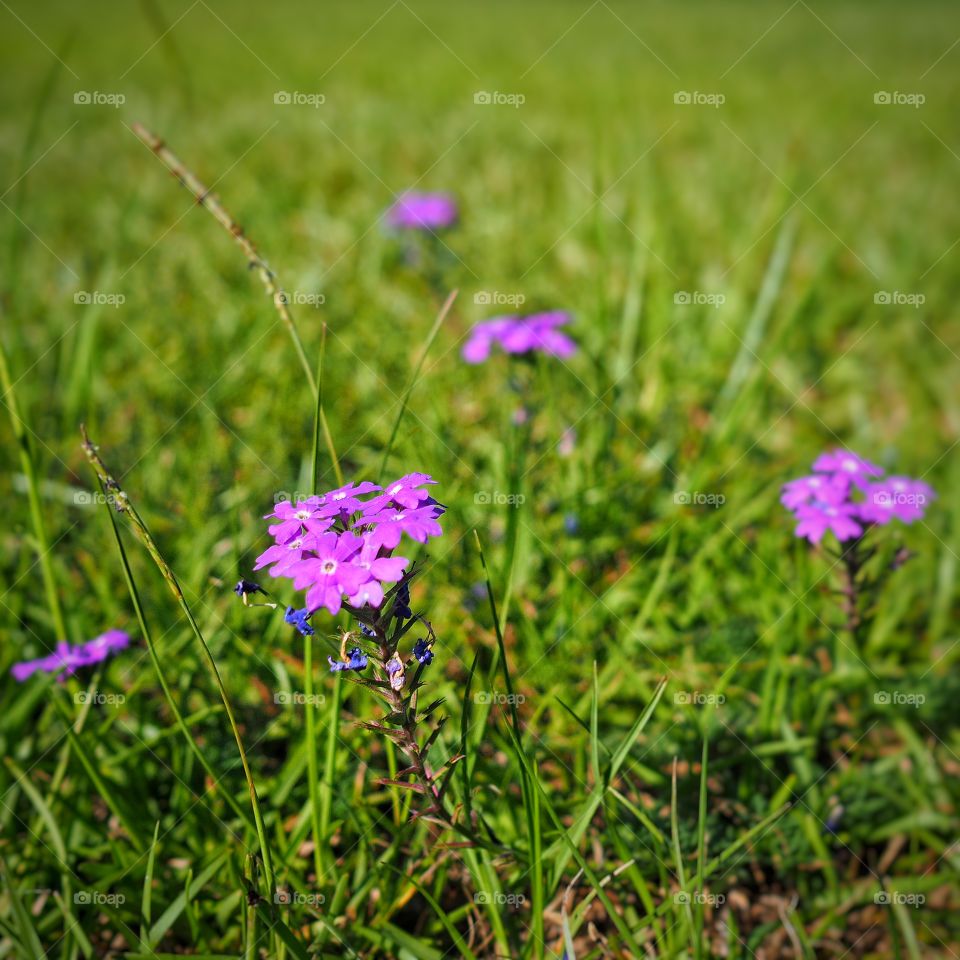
[536,332]
[843,463]
[68,658]
[422,211]
[815,519]
[846,495]
[350,558]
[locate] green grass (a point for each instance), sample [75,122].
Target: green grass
[612,816]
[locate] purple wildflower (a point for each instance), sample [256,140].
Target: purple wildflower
[422,652]
[298,619]
[843,463]
[69,658]
[339,546]
[817,519]
[296,519]
[406,491]
[357,661]
[394,668]
[245,587]
[516,335]
[282,556]
[419,524]
[896,498]
[841,497]
[345,500]
[401,603]
[817,487]
[327,573]
[379,570]
[422,211]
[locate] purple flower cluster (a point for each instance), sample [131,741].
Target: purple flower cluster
[847,494]
[535,332]
[67,658]
[422,211]
[339,547]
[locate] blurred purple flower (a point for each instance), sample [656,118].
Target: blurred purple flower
[896,498]
[817,519]
[423,211]
[842,498]
[69,658]
[516,335]
[824,489]
[843,463]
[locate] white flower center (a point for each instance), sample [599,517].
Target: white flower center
[329,567]
[302,514]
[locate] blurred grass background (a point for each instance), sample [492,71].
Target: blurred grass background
[799,200]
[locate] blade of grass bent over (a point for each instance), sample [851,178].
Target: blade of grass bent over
[124,506]
[155,659]
[207,200]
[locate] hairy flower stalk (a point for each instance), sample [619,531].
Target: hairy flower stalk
[339,547]
[401,692]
